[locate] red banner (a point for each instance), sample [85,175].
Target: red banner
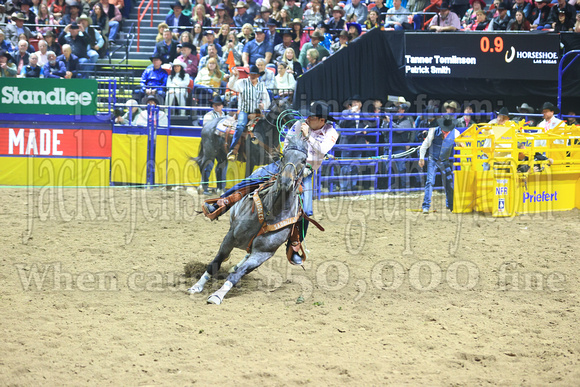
[86,143]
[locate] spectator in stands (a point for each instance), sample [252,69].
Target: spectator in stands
[222,35]
[569,11]
[470,16]
[96,42]
[298,34]
[440,143]
[5,44]
[44,17]
[293,65]
[396,18]
[563,23]
[154,78]
[143,117]
[328,6]
[21,56]
[160,28]
[459,7]
[131,115]
[451,107]
[167,48]
[315,40]
[185,37]
[257,48]
[500,23]
[29,15]
[577,25]
[41,54]
[177,84]
[222,17]
[187,8]
[74,11]
[382,9]
[115,19]
[7,67]
[275,7]
[481,22]
[284,21]
[519,22]
[502,117]
[208,10]
[208,81]
[263,17]
[401,137]
[217,105]
[198,36]
[313,16]
[527,109]
[336,23]
[52,44]
[465,121]
[32,69]
[233,48]
[201,17]
[521,5]
[540,14]
[253,9]
[57,9]
[445,20]
[247,34]
[273,37]
[357,9]
[190,58]
[267,76]
[311,58]
[79,42]
[71,62]
[242,17]
[212,53]
[341,43]
[354,30]
[294,12]
[571,120]
[177,19]
[230,8]
[286,43]
[285,82]
[351,120]
[17,27]
[252,96]
[210,38]
[373,20]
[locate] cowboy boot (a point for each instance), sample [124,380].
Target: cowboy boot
[213,208]
[234,152]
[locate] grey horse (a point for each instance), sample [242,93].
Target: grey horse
[280,202]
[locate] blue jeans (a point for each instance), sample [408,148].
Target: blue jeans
[401,169]
[446,177]
[242,122]
[113,28]
[258,176]
[220,174]
[348,183]
[308,195]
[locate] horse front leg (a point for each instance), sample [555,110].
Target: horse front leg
[254,260]
[212,269]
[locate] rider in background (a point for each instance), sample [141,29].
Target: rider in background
[319,132]
[253,96]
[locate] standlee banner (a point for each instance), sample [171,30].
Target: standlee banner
[482,55]
[48,96]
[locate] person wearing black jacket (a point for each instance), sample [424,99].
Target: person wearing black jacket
[167,48]
[568,10]
[401,136]
[78,42]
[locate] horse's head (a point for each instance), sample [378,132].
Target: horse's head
[292,164]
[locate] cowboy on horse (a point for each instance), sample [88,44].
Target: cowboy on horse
[318,129]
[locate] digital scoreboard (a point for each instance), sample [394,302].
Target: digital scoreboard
[482,55]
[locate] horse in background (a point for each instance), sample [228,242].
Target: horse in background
[261,222]
[264,147]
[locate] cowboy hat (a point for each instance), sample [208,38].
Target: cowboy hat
[338,8]
[446,123]
[444,6]
[481,1]
[525,108]
[84,17]
[355,97]
[318,109]
[355,25]
[177,4]
[294,22]
[503,112]
[188,45]
[6,54]
[317,35]
[18,16]
[155,56]
[131,103]
[241,4]
[150,98]
[255,70]
[178,62]
[272,22]
[451,104]
[217,100]
[549,106]
[265,9]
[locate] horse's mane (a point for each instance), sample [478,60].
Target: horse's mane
[296,141]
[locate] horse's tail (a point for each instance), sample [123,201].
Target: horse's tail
[198,160]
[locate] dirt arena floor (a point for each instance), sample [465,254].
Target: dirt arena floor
[93,293]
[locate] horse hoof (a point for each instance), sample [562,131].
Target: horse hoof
[195,289]
[214,299]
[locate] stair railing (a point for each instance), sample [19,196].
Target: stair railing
[141,15]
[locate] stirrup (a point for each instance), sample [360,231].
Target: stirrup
[211,208]
[296,259]
[232,156]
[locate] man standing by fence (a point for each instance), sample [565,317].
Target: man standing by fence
[440,142]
